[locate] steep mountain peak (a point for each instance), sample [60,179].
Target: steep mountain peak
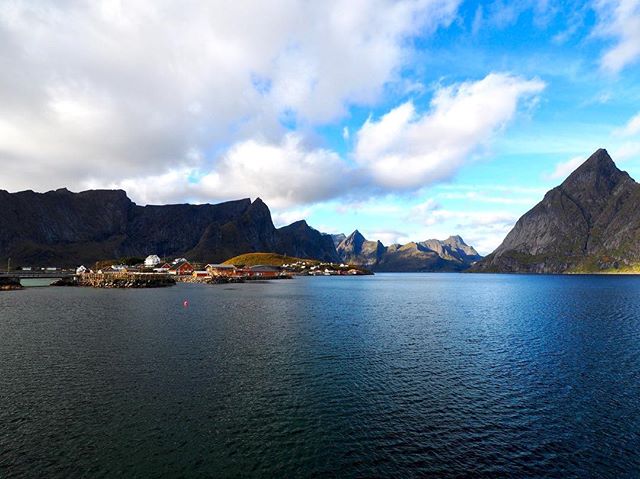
[588,223]
[455,239]
[599,159]
[353,242]
[597,175]
[356,249]
[356,235]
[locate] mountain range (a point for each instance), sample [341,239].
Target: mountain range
[589,223]
[62,228]
[452,254]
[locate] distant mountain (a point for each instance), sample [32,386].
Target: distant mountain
[338,238]
[590,223]
[452,254]
[65,229]
[355,249]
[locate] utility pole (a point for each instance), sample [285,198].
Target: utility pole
[8,265]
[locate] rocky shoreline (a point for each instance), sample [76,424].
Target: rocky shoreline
[117,281]
[126,280]
[10,284]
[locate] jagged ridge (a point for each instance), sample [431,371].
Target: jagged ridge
[452,254]
[64,229]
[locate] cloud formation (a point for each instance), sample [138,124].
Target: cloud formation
[620,21]
[406,150]
[565,168]
[401,152]
[110,89]
[632,127]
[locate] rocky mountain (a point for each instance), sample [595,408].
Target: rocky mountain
[338,238]
[62,228]
[452,254]
[355,249]
[590,223]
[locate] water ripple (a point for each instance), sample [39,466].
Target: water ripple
[393,375]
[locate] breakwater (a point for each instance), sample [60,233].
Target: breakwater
[10,284]
[118,280]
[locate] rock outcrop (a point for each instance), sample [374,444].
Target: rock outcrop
[10,284]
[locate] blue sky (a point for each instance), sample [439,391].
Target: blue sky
[407,120]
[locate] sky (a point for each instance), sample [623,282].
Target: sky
[404,119]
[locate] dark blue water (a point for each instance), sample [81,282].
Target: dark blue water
[394,375]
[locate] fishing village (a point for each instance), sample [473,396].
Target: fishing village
[155,272]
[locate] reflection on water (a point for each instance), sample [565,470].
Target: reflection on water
[406,375]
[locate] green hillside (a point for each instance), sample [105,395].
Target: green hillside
[269,259]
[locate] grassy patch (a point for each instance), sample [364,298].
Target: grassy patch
[267,259]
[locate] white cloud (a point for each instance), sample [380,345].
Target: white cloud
[402,152]
[565,168]
[422,211]
[627,151]
[405,149]
[288,216]
[112,89]
[619,20]
[632,127]
[285,174]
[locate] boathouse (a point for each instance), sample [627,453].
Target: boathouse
[181,268]
[263,271]
[221,269]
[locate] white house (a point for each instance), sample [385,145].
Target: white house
[152,261]
[81,270]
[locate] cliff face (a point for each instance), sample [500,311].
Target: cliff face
[590,223]
[64,229]
[300,240]
[452,254]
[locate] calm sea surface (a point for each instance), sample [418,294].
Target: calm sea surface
[394,375]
